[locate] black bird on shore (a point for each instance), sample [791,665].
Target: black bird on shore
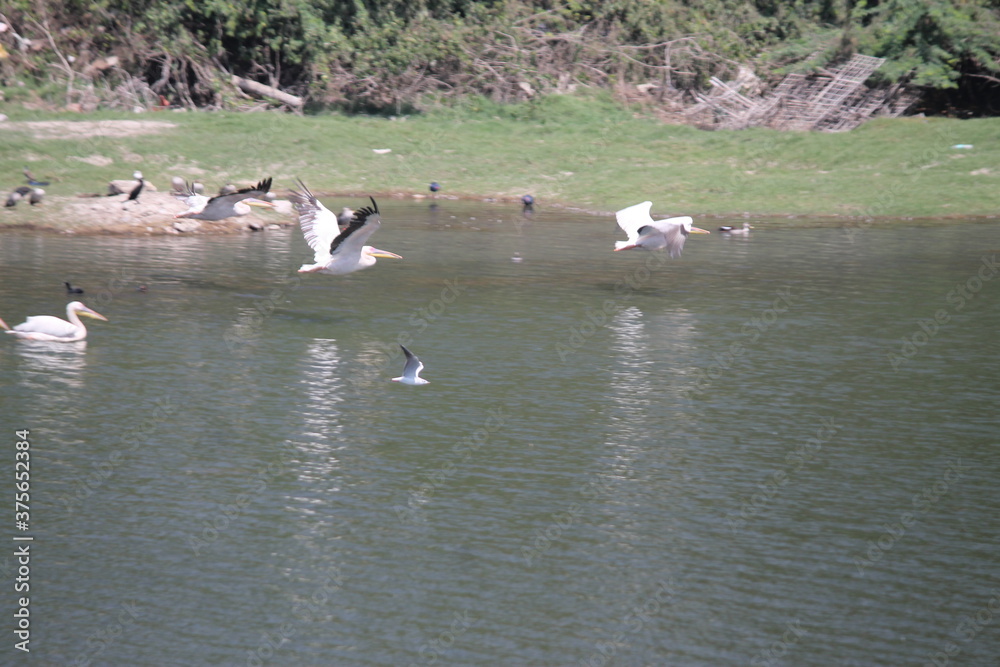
[434,186]
[134,195]
[73,290]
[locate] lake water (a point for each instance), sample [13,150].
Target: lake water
[781,449]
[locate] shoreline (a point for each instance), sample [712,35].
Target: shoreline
[152,219]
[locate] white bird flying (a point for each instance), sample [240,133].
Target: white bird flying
[726,229]
[411,371]
[224,206]
[337,252]
[47,327]
[648,234]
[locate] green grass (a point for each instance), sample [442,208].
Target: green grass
[587,153]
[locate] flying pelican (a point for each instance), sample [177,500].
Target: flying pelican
[47,327]
[224,206]
[73,290]
[411,371]
[648,234]
[337,252]
[726,229]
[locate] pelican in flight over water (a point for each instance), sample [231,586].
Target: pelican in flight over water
[47,327]
[224,206]
[648,234]
[337,252]
[411,371]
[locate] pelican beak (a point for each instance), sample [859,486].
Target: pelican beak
[92,313]
[626,247]
[384,253]
[699,230]
[250,201]
[3,325]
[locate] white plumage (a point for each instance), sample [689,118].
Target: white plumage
[47,327]
[648,234]
[411,371]
[337,252]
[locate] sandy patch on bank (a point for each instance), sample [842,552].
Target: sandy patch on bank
[152,214]
[73,129]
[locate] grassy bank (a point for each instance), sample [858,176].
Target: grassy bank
[575,152]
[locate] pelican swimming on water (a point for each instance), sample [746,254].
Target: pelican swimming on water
[47,327]
[411,371]
[745,231]
[337,252]
[648,234]
[220,207]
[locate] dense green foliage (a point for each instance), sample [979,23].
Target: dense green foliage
[396,53]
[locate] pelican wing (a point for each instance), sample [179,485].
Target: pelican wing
[49,325]
[221,206]
[318,223]
[352,240]
[632,219]
[674,232]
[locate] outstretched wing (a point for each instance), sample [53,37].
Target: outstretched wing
[674,231]
[413,365]
[318,223]
[365,222]
[221,206]
[632,219]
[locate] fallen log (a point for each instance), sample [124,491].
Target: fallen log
[263,90]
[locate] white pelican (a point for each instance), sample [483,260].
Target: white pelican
[47,327]
[648,234]
[224,206]
[337,252]
[726,229]
[411,371]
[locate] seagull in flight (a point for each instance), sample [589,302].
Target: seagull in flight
[411,371]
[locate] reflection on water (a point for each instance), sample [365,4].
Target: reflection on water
[629,446]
